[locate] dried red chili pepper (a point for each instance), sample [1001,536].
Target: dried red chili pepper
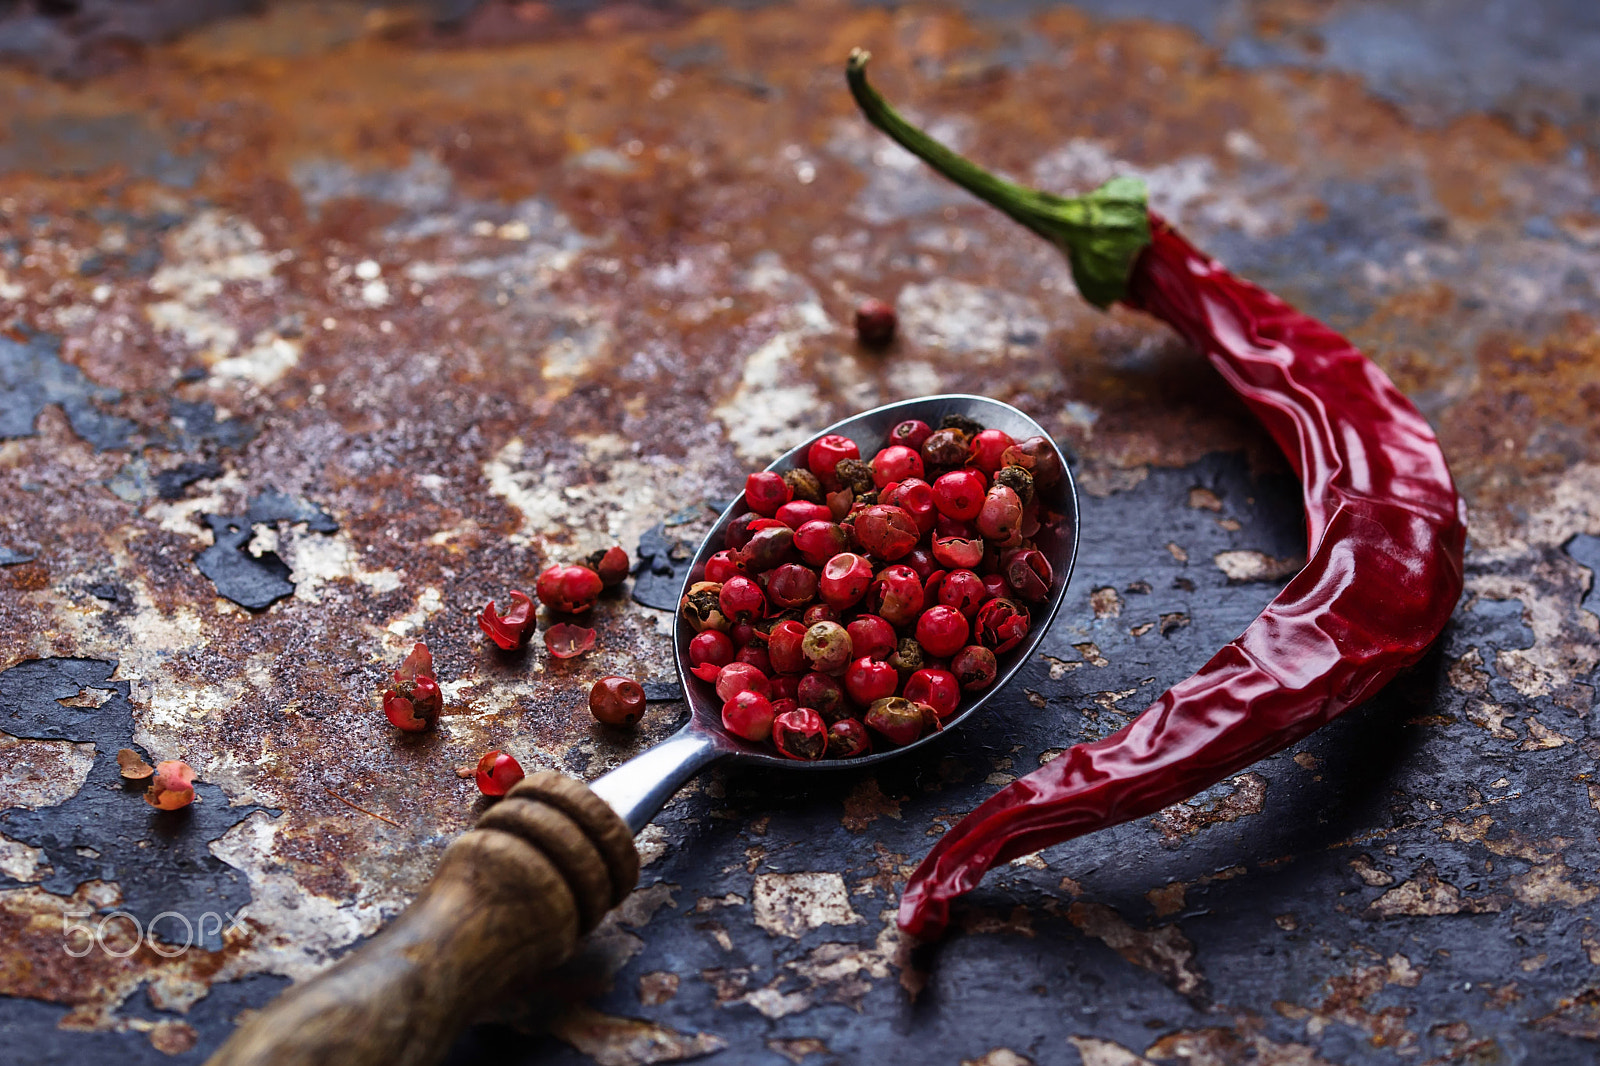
[1384,524]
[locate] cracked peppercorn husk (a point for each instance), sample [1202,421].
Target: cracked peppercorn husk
[945,449]
[969,427]
[1018,481]
[805,485]
[907,657]
[856,475]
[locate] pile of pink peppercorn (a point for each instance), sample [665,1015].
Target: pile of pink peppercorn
[857,600]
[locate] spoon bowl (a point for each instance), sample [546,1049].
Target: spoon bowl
[638,788]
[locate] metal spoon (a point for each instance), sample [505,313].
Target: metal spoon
[515,894]
[640,787]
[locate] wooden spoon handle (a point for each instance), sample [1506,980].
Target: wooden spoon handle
[510,897]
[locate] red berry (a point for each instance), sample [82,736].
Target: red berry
[569,588]
[845,578]
[797,513]
[766,491]
[914,496]
[784,687]
[171,786]
[923,562]
[748,715]
[931,586]
[1038,457]
[742,634]
[896,595]
[827,647]
[616,700]
[895,463]
[974,667]
[781,706]
[566,641]
[800,734]
[870,679]
[784,648]
[995,586]
[872,637]
[1000,518]
[818,541]
[742,599]
[847,739]
[958,553]
[611,564]
[942,631]
[822,694]
[1001,624]
[755,656]
[959,494]
[819,612]
[963,590]
[911,433]
[897,719]
[946,526]
[791,585]
[1028,573]
[738,533]
[944,448]
[887,532]
[739,677]
[512,629]
[497,772]
[875,322]
[721,566]
[710,646]
[938,689]
[768,546]
[824,455]
[987,448]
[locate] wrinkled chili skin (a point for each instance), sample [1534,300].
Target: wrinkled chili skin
[1386,531]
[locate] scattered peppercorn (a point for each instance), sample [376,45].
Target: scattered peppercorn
[565,640]
[875,323]
[172,786]
[569,588]
[133,766]
[512,629]
[413,701]
[611,564]
[617,701]
[497,772]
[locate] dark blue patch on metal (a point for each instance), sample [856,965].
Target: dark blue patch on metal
[160,860]
[256,582]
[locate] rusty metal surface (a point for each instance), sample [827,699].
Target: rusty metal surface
[469,296]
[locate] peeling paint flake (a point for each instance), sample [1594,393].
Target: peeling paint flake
[793,904]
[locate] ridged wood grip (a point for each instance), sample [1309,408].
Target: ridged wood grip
[510,897]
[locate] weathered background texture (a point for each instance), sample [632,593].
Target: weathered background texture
[367,312]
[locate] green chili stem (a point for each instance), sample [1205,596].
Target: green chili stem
[1101,232]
